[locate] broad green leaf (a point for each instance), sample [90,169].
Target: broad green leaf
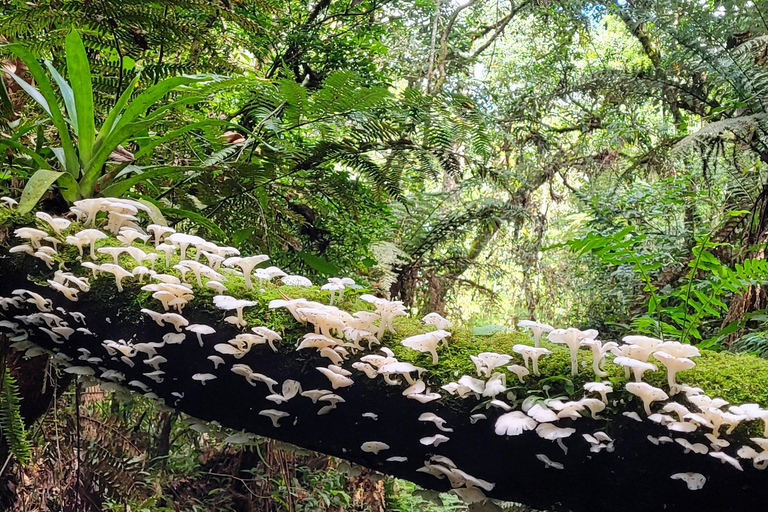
[322,265]
[69,188]
[155,215]
[488,330]
[35,188]
[79,72]
[45,89]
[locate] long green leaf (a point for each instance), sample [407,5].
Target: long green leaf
[198,219]
[80,75]
[45,89]
[157,141]
[66,94]
[35,188]
[30,89]
[114,114]
[121,187]
[148,98]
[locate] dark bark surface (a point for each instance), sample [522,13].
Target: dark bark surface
[634,478]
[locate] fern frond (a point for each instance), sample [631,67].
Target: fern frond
[11,422]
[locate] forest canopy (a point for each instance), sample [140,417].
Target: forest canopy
[599,166]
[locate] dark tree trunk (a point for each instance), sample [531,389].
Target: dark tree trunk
[634,478]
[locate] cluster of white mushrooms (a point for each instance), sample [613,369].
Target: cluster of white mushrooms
[112,242]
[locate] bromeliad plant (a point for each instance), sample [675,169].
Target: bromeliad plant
[79,168]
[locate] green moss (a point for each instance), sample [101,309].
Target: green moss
[736,378]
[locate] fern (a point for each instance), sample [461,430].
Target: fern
[11,422]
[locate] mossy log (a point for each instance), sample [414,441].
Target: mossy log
[633,477]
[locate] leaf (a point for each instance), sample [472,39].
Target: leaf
[488,330]
[66,93]
[198,219]
[79,72]
[157,141]
[121,187]
[113,115]
[30,89]
[319,264]
[70,190]
[155,215]
[35,188]
[23,149]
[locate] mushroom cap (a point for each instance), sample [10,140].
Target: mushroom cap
[398,368]
[727,459]
[694,481]
[673,364]
[296,281]
[229,303]
[531,324]
[200,329]
[274,415]
[513,424]
[598,387]
[434,440]
[628,362]
[530,351]
[680,350]
[552,432]
[374,447]
[437,320]
[646,392]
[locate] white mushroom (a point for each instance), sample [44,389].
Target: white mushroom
[572,337]
[437,420]
[694,481]
[437,320]
[646,393]
[374,447]
[537,328]
[337,381]
[513,424]
[548,463]
[199,330]
[531,353]
[274,415]
[203,377]
[434,440]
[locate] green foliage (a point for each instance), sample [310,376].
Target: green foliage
[83,166]
[11,423]
[692,309]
